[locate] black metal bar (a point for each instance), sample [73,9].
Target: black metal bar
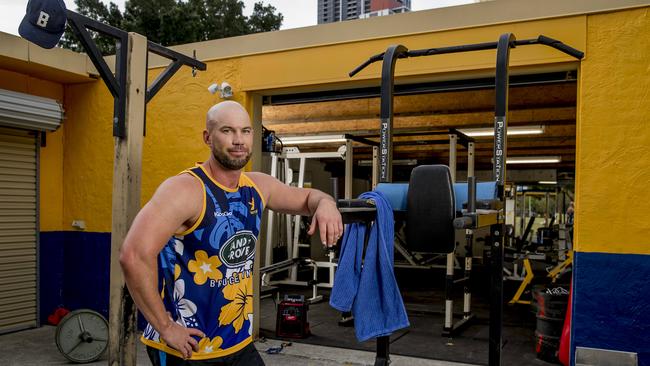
[447,330]
[471,194]
[560,46]
[420,142]
[453,49]
[146,96]
[117,84]
[496,295]
[506,41]
[78,24]
[411,133]
[386,112]
[467,292]
[162,79]
[383,351]
[477,47]
[501,107]
[176,56]
[119,102]
[369,61]
[362,140]
[105,29]
[463,139]
[178,60]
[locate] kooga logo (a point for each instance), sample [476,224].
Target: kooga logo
[238,249]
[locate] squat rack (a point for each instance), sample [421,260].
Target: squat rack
[503,45]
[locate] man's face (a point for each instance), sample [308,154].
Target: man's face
[230,139]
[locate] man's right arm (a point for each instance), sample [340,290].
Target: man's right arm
[173,208]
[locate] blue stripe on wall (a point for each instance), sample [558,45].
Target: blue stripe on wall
[50,272]
[75,272]
[611,303]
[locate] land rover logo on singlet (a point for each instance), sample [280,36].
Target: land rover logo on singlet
[238,249]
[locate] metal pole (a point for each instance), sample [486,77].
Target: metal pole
[268,255]
[453,146]
[349,159]
[296,221]
[497,230]
[386,113]
[288,178]
[470,160]
[449,274]
[546,208]
[375,166]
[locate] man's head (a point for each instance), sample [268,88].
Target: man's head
[229,134]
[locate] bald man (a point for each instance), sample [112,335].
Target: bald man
[188,257]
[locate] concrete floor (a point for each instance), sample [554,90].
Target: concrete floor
[36,347]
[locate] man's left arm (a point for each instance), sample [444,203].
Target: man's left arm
[302,201]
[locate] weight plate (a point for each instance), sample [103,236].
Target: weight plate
[82,336]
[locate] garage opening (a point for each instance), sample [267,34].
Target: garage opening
[540,184]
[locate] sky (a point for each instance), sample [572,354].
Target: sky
[297,13]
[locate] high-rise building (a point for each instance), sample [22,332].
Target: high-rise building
[330,11]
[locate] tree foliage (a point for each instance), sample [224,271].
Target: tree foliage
[171,22]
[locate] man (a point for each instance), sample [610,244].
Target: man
[194,241]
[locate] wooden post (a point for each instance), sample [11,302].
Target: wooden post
[127,173]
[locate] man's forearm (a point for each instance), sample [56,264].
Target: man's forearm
[314,199]
[142,282]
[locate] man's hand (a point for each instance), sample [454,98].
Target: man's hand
[327,219]
[180,338]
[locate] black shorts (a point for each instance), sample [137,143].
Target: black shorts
[247,356]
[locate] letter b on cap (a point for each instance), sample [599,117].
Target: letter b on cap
[42,19]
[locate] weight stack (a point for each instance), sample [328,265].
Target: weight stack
[551,304]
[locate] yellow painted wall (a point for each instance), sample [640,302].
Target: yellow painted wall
[51,156]
[613,135]
[88,152]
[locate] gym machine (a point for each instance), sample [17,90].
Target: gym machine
[281,163]
[469,219]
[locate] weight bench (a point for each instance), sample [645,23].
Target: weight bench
[432,207]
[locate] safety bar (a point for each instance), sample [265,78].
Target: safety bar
[357,210]
[541,39]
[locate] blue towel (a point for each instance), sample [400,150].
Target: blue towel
[370,290]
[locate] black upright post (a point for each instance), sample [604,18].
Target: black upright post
[386,152]
[382,358]
[497,230]
[386,113]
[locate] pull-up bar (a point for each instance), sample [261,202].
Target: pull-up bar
[117,84]
[474,47]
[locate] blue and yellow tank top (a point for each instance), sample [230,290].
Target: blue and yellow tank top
[205,273]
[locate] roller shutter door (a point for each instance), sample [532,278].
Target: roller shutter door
[25,111]
[18,230]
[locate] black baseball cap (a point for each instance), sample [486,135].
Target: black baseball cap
[44,22]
